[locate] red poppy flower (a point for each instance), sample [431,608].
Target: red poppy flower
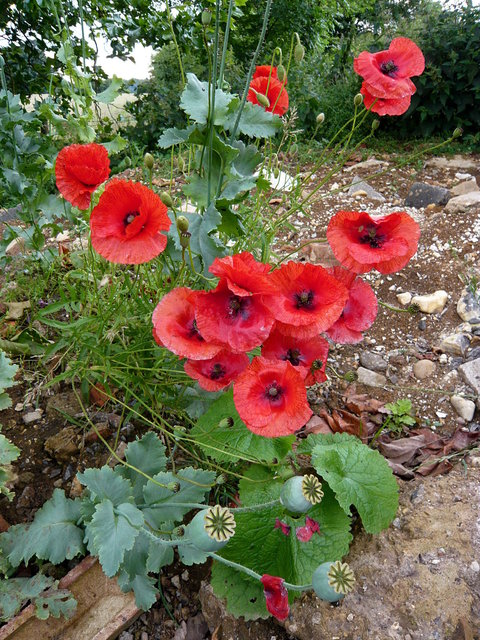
[304,534]
[384,106]
[218,372]
[362,243]
[243,274]
[388,73]
[359,312]
[308,299]
[175,327]
[240,322]
[271,398]
[300,352]
[126,223]
[265,71]
[276,596]
[285,528]
[275,92]
[79,170]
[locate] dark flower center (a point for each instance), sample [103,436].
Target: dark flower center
[217,372]
[130,217]
[238,306]
[193,332]
[388,68]
[293,356]
[316,365]
[304,299]
[274,392]
[369,235]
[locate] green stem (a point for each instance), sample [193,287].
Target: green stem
[392,308]
[213,85]
[225,43]
[174,38]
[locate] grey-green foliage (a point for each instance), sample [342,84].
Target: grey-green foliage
[8,371]
[41,590]
[8,453]
[126,516]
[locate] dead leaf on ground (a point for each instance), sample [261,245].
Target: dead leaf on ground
[360,402]
[98,395]
[16,309]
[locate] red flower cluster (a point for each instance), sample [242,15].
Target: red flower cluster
[387,88]
[276,596]
[79,170]
[265,83]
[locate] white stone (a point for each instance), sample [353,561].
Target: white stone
[371,163]
[432,302]
[15,247]
[404,298]
[470,372]
[467,186]
[463,176]
[459,204]
[423,369]
[465,408]
[457,162]
[370,378]
[443,359]
[475,566]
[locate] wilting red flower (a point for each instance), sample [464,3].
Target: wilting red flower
[359,312]
[271,398]
[243,274]
[304,534]
[126,223]
[300,352]
[239,322]
[276,596]
[285,528]
[362,243]
[384,106]
[175,327]
[79,170]
[265,71]
[308,299]
[275,92]
[218,372]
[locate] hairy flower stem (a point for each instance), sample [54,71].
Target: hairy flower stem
[392,308]
[225,44]
[174,38]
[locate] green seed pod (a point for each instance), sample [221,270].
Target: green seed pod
[211,528]
[357,101]
[185,239]
[299,53]
[457,133]
[281,73]
[182,224]
[263,100]
[221,479]
[226,423]
[320,118]
[148,161]
[375,125]
[292,496]
[206,17]
[294,149]
[166,198]
[173,486]
[332,580]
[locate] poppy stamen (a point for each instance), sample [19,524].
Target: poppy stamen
[217,372]
[389,68]
[130,217]
[293,356]
[371,237]
[274,391]
[238,307]
[304,299]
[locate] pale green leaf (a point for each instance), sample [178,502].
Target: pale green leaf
[56,603]
[173,136]
[194,101]
[255,122]
[8,371]
[146,454]
[106,484]
[15,591]
[8,451]
[143,586]
[111,92]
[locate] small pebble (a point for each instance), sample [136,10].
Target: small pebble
[475,566]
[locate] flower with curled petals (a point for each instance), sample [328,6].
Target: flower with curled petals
[308,299]
[271,398]
[218,372]
[362,243]
[276,596]
[127,222]
[359,312]
[384,106]
[273,90]
[79,170]
[176,329]
[243,274]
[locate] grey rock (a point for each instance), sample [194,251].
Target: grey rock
[455,344]
[431,302]
[10,215]
[423,369]
[468,307]
[358,185]
[464,408]
[474,353]
[457,163]
[421,195]
[370,378]
[422,324]
[467,186]
[372,361]
[459,204]
[470,373]
[32,416]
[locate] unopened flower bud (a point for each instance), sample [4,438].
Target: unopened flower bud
[166,198]
[299,53]
[206,17]
[179,532]
[320,118]
[358,99]
[263,100]
[281,73]
[127,161]
[226,423]
[294,148]
[375,125]
[182,224]
[457,133]
[221,479]
[276,172]
[173,486]
[185,239]
[148,161]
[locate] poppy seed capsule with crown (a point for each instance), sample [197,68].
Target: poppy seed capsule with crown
[300,493]
[331,581]
[211,528]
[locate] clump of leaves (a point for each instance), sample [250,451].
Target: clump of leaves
[400,416]
[7,380]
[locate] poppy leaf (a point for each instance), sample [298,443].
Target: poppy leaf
[173,136]
[111,92]
[255,122]
[194,101]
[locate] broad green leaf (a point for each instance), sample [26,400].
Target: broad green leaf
[232,188]
[142,585]
[8,451]
[111,92]
[194,101]
[174,136]
[225,443]
[359,476]
[159,555]
[115,145]
[189,554]
[114,532]
[15,591]
[259,485]
[194,486]
[255,122]
[146,454]
[5,401]
[12,546]
[247,160]
[105,484]
[8,371]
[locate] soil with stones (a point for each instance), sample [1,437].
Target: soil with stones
[430,356]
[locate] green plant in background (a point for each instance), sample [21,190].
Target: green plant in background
[400,416]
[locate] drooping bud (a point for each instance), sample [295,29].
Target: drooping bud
[173,486]
[276,172]
[281,73]
[206,17]
[221,479]
[293,149]
[262,99]
[375,125]
[166,198]
[320,118]
[457,133]
[299,53]
[182,224]
[127,162]
[358,99]
[148,161]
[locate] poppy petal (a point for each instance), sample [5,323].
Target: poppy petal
[276,596]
